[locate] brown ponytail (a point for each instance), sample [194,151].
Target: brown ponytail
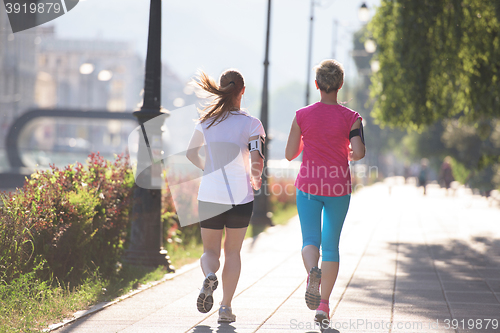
[230,84]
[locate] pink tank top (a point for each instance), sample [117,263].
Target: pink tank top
[325,165]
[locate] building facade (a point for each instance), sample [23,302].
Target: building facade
[17,73]
[86,75]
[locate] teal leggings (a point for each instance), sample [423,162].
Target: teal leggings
[334,211]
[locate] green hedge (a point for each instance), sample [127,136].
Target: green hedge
[71,221]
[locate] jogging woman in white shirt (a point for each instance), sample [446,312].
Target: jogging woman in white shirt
[230,137]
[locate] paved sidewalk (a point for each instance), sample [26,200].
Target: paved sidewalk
[423,263]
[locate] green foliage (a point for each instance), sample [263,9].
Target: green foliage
[74,219]
[439,74]
[475,145]
[438,59]
[16,246]
[460,172]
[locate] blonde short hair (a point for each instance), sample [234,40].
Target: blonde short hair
[329,75]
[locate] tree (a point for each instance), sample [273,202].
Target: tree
[438,60]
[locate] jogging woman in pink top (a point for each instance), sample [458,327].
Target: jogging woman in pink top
[323,131]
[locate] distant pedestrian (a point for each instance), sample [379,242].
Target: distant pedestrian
[423,174]
[230,137]
[406,171]
[446,173]
[329,135]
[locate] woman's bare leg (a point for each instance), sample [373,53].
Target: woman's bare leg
[232,263]
[211,250]
[329,272]
[310,256]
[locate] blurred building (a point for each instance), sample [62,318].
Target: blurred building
[17,73]
[40,70]
[87,74]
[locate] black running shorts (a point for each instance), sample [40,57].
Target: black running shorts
[217,216]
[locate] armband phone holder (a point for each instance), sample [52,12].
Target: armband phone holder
[257,145]
[357,132]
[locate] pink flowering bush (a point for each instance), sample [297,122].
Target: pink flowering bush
[73,220]
[282,193]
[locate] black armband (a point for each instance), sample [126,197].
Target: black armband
[357,132]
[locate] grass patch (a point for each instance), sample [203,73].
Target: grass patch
[282,216]
[185,255]
[29,305]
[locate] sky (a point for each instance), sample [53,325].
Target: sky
[219,34]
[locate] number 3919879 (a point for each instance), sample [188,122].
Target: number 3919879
[477,324]
[41,8]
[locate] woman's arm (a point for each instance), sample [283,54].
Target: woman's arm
[193,150]
[256,167]
[358,149]
[294,144]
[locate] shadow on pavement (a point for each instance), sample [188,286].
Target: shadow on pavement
[328,330]
[467,273]
[437,282]
[223,328]
[226,328]
[202,329]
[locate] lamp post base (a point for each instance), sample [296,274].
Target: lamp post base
[149,258]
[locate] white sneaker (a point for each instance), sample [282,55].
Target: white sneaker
[226,315]
[205,299]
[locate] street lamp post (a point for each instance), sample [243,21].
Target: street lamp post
[364,13]
[146,240]
[260,215]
